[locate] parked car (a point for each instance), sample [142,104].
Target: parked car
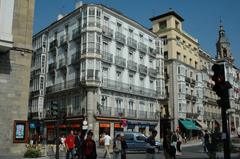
[137,141]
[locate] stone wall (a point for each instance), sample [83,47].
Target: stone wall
[15,76]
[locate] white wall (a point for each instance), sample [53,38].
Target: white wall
[6,19]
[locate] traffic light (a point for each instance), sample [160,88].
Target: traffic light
[54,109]
[221,86]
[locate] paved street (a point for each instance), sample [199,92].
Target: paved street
[191,151]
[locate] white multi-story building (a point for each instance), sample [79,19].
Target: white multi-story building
[101,66]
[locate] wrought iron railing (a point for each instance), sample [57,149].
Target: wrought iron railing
[131,65]
[127,88]
[132,43]
[107,32]
[120,37]
[142,69]
[120,61]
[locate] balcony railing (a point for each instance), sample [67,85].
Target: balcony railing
[107,32]
[119,37]
[71,84]
[152,72]
[127,88]
[105,111]
[152,52]
[212,101]
[107,57]
[192,115]
[142,47]
[120,61]
[132,113]
[152,115]
[142,114]
[131,65]
[132,43]
[119,112]
[76,35]
[142,69]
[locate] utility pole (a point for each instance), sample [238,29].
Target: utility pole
[224,103]
[221,88]
[55,113]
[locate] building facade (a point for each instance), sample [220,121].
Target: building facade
[188,77]
[16,19]
[100,66]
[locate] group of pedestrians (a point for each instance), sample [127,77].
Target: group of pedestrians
[119,146]
[80,147]
[212,143]
[172,144]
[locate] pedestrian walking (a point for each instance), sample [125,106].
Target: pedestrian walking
[62,146]
[206,141]
[107,143]
[70,145]
[89,147]
[167,146]
[79,145]
[117,147]
[174,139]
[179,142]
[151,145]
[124,146]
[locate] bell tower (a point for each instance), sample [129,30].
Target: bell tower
[223,46]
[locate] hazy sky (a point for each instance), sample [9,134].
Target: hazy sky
[201,17]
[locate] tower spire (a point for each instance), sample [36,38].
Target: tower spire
[223,45]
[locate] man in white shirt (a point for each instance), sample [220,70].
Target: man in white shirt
[107,142]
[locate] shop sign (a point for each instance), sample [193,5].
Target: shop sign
[32,126]
[117,125]
[104,125]
[20,131]
[84,127]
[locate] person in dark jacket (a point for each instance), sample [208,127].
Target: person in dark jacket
[79,145]
[89,147]
[151,145]
[124,146]
[167,146]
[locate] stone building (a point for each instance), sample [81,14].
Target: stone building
[190,99]
[16,20]
[98,65]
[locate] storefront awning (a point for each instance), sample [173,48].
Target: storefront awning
[189,124]
[202,124]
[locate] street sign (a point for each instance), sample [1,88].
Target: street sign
[84,127]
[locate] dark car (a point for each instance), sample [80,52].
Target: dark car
[137,141]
